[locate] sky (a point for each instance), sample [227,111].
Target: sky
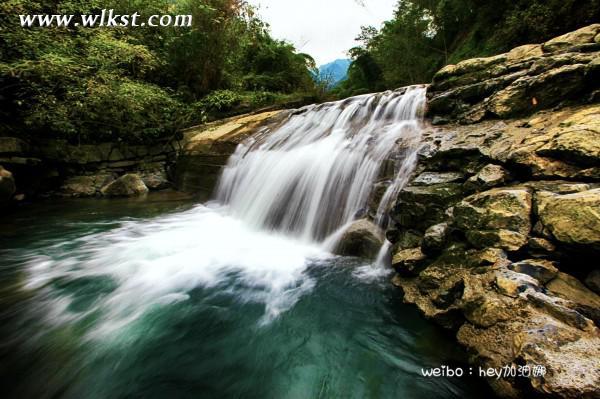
[325,29]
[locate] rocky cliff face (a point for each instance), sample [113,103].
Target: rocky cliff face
[497,236]
[58,168]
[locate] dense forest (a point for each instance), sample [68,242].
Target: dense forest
[145,83]
[425,35]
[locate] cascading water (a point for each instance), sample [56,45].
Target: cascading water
[238,298]
[314,173]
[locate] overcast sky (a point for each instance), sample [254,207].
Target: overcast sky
[324,29]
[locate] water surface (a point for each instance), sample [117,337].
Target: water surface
[164,298]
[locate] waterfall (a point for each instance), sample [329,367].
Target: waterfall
[314,172]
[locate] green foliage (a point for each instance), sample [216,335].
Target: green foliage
[139,84]
[220,101]
[425,35]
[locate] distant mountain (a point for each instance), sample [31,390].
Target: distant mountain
[334,72]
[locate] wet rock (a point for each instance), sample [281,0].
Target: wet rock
[572,219]
[128,185]
[85,186]
[363,239]
[404,239]
[495,218]
[407,261]
[429,178]
[593,281]
[435,238]
[542,270]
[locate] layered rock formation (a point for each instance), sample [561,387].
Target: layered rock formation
[497,235]
[59,168]
[524,80]
[206,149]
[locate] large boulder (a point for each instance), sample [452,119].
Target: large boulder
[85,186]
[362,238]
[496,218]
[576,139]
[129,185]
[7,185]
[572,219]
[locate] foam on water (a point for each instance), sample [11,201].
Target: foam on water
[158,261]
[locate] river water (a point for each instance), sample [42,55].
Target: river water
[241,297]
[164,298]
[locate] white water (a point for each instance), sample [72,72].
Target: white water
[315,172]
[283,200]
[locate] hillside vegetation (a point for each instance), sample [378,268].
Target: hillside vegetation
[425,35]
[140,84]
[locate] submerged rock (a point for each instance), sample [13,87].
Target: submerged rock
[363,239]
[128,185]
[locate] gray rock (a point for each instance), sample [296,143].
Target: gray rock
[429,178]
[155,179]
[435,238]
[85,186]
